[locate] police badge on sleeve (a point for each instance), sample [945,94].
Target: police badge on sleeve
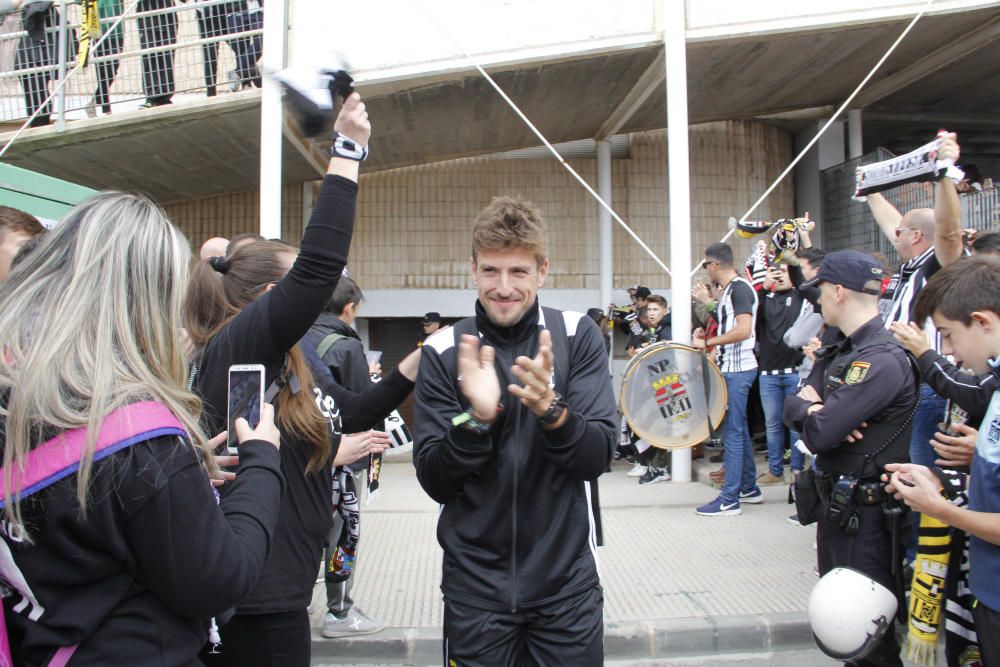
[857,372]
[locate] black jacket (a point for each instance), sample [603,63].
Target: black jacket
[866,378]
[971,392]
[346,358]
[135,580]
[516,526]
[262,333]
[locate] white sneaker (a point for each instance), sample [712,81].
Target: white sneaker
[638,470]
[355,623]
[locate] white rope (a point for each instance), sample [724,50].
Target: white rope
[69,76]
[830,122]
[545,141]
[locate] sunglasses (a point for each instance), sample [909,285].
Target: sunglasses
[900,230]
[706,262]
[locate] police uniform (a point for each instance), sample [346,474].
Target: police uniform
[867,377]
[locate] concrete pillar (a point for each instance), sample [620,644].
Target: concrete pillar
[272,119]
[675,49]
[855,143]
[606,242]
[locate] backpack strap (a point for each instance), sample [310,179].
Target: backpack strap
[59,457]
[555,322]
[328,342]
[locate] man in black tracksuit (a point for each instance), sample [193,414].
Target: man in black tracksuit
[508,436]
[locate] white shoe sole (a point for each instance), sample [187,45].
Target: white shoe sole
[631,473]
[732,512]
[756,500]
[340,634]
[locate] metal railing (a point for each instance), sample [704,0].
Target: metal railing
[849,224]
[160,51]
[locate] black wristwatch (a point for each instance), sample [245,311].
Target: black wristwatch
[555,410]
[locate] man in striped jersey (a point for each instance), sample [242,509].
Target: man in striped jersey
[737,316]
[926,240]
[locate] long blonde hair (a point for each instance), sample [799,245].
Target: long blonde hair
[88,323]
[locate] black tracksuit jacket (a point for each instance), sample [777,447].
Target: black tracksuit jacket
[516,524]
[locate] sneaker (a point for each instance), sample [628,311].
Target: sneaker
[755,497]
[356,622]
[794,520]
[654,475]
[719,508]
[770,478]
[638,470]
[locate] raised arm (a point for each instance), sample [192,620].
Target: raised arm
[948,242]
[886,216]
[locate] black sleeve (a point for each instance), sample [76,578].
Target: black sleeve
[367,409]
[443,455]
[742,296]
[810,294]
[585,445]
[844,409]
[347,361]
[266,329]
[198,558]
[972,393]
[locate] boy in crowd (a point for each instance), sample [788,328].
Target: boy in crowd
[963,299]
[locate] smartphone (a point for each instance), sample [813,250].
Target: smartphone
[373,357]
[245,399]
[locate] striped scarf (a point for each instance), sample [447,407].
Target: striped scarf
[927,593]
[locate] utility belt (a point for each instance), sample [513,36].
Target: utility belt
[838,498]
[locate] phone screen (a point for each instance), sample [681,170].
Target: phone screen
[245,397]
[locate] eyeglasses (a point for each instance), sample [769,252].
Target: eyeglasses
[706,262]
[900,230]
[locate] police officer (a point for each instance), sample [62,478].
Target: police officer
[855,412]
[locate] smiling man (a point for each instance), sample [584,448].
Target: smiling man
[513,420]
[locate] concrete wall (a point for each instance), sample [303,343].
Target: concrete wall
[235,213]
[413,224]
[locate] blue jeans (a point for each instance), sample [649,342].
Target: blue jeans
[773,391]
[925,423]
[737,455]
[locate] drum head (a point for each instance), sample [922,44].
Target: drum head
[664,397]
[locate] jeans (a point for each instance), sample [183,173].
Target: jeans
[925,423]
[773,391]
[737,455]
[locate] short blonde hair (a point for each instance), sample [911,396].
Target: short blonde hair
[510,222]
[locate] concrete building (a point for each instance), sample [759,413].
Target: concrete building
[762,78]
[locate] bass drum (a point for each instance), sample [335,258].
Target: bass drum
[670,392]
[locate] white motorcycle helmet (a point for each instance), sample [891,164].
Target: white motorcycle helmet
[850,613]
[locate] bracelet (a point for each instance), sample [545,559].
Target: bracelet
[467,422]
[554,411]
[347,148]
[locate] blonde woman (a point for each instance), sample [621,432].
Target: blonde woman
[123,561]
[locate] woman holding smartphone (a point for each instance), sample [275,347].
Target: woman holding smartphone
[125,559]
[253,308]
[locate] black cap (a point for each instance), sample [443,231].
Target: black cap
[431,317]
[642,293]
[853,269]
[595,314]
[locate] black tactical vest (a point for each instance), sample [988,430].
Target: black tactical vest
[888,433]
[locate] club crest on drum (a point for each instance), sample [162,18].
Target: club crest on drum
[670,392]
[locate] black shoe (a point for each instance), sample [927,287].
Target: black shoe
[654,475]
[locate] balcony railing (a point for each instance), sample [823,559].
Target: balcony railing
[157,53]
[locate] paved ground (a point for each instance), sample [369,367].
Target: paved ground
[676,584]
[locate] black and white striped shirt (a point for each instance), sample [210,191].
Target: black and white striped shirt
[904,288]
[739,298]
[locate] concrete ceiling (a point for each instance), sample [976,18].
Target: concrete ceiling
[945,69]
